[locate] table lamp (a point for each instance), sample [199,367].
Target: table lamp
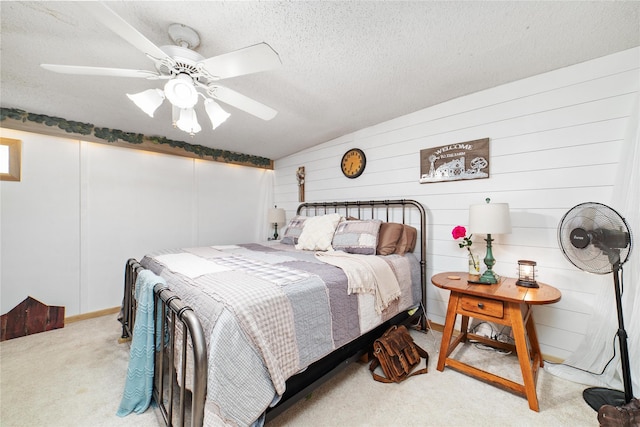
[276,216]
[489,218]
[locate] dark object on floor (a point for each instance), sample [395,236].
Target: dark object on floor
[30,317]
[627,415]
[397,355]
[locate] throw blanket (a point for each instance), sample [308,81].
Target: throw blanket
[366,274]
[139,385]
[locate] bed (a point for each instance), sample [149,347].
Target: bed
[267,323]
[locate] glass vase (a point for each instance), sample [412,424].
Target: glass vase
[474,264]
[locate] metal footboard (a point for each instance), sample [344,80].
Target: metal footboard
[178,319]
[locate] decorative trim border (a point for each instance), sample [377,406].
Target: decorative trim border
[39,123]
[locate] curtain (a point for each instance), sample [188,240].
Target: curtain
[598,345]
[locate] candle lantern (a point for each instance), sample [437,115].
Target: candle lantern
[527,274]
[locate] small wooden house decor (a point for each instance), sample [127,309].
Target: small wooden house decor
[30,317]
[455,162]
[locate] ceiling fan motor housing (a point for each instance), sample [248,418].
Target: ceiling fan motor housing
[184,61]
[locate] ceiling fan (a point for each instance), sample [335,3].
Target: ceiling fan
[189,75]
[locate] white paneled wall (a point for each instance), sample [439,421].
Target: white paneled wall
[556,140]
[39,225]
[82,209]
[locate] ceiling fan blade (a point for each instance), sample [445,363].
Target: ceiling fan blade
[122,28]
[100,71]
[252,59]
[241,102]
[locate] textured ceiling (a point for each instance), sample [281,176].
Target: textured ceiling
[346,65]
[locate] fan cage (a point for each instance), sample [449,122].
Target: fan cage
[592,216]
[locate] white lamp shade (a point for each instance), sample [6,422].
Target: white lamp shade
[215,112]
[181,92]
[188,121]
[489,218]
[148,100]
[276,216]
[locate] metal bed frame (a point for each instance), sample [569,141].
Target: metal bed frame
[181,318]
[177,315]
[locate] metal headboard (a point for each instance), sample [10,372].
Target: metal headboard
[374,208]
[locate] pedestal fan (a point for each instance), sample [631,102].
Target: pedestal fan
[596,239]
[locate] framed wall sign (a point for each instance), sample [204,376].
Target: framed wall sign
[455,162]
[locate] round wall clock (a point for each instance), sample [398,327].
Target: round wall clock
[353,163]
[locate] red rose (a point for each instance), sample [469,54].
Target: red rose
[458,232]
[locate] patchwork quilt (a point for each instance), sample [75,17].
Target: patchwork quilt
[268,311]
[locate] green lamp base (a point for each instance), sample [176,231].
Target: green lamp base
[488,277]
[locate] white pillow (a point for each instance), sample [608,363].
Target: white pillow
[318,233]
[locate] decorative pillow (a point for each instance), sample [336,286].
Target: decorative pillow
[388,237]
[318,232]
[294,228]
[407,241]
[357,237]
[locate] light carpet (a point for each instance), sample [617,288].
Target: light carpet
[74,376]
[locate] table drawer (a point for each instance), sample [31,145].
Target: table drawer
[478,305]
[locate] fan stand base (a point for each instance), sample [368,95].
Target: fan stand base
[598,396]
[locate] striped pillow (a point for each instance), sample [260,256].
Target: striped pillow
[293,230]
[357,236]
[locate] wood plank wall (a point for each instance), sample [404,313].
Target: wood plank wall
[556,140]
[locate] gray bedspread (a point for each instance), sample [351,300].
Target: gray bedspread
[268,311]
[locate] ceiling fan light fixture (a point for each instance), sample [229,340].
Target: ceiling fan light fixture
[188,121]
[181,92]
[148,100]
[175,115]
[216,114]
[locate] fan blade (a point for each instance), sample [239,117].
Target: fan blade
[252,59]
[242,102]
[100,71]
[122,28]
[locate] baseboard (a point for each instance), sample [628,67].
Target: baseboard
[91,315]
[436,326]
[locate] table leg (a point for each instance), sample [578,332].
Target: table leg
[447,333]
[464,327]
[515,313]
[533,337]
